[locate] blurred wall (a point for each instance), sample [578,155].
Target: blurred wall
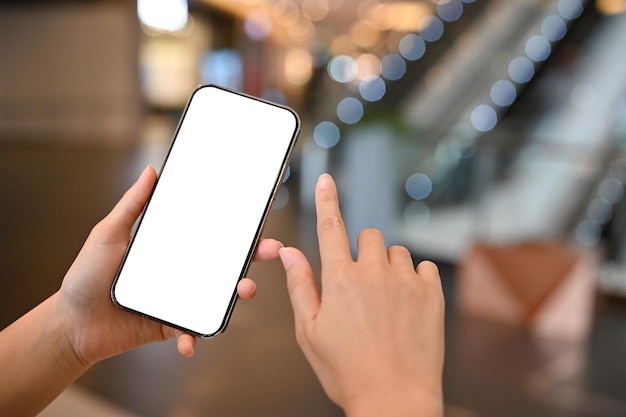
[69,72]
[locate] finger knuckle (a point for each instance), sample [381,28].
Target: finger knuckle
[343,274]
[293,284]
[301,335]
[330,223]
[99,231]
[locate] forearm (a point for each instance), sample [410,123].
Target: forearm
[36,361]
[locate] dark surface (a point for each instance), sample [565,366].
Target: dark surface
[52,196]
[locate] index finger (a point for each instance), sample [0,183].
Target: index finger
[331,231]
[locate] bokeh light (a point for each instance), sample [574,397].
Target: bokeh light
[364,34]
[275,95]
[503,93]
[258,26]
[165,15]
[350,110]
[521,70]
[484,118]
[315,9]
[430,28]
[287,174]
[617,170]
[286,12]
[570,9]
[553,28]
[588,233]
[367,66]
[372,89]
[342,68]
[418,186]
[538,48]
[282,198]
[412,47]
[298,66]
[611,190]
[326,134]
[393,67]
[600,211]
[450,10]
[302,31]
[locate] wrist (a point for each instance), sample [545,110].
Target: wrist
[397,401]
[60,338]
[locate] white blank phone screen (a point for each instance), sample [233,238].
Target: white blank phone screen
[199,228]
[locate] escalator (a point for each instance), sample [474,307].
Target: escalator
[532,175]
[526,174]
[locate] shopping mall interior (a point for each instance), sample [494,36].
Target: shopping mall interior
[486,135]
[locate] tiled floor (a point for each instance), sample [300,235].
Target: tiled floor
[50,197]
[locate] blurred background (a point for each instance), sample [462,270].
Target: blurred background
[486,135]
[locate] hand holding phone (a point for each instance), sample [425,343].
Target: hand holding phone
[197,236]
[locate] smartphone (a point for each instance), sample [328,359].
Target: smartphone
[200,228]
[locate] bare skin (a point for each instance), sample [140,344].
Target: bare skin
[53,344]
[374,336]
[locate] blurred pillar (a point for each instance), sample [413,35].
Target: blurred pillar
[368,193]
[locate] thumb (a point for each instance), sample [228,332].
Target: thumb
[305,299]
[123,216]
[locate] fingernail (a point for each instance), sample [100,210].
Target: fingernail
[285,257]
[325,181]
